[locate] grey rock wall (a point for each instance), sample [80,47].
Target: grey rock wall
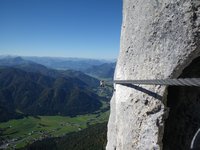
[159,38]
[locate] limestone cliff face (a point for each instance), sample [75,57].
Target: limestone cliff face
[159,38]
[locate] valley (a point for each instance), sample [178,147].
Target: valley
[21,132]
[38,103]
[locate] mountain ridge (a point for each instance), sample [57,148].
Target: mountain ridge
[35,92]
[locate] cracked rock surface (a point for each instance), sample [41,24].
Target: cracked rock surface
[158,40]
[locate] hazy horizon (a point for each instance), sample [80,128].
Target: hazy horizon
[61,57]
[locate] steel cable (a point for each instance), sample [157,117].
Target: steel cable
[172,82]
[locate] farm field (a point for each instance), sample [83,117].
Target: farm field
[18,133]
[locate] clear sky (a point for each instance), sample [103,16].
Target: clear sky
[66,28]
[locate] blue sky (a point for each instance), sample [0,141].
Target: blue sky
[66,28]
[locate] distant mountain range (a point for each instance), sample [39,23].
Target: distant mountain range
[26,65]
[79,64]
[28,88]
[92,67]
[105,70]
